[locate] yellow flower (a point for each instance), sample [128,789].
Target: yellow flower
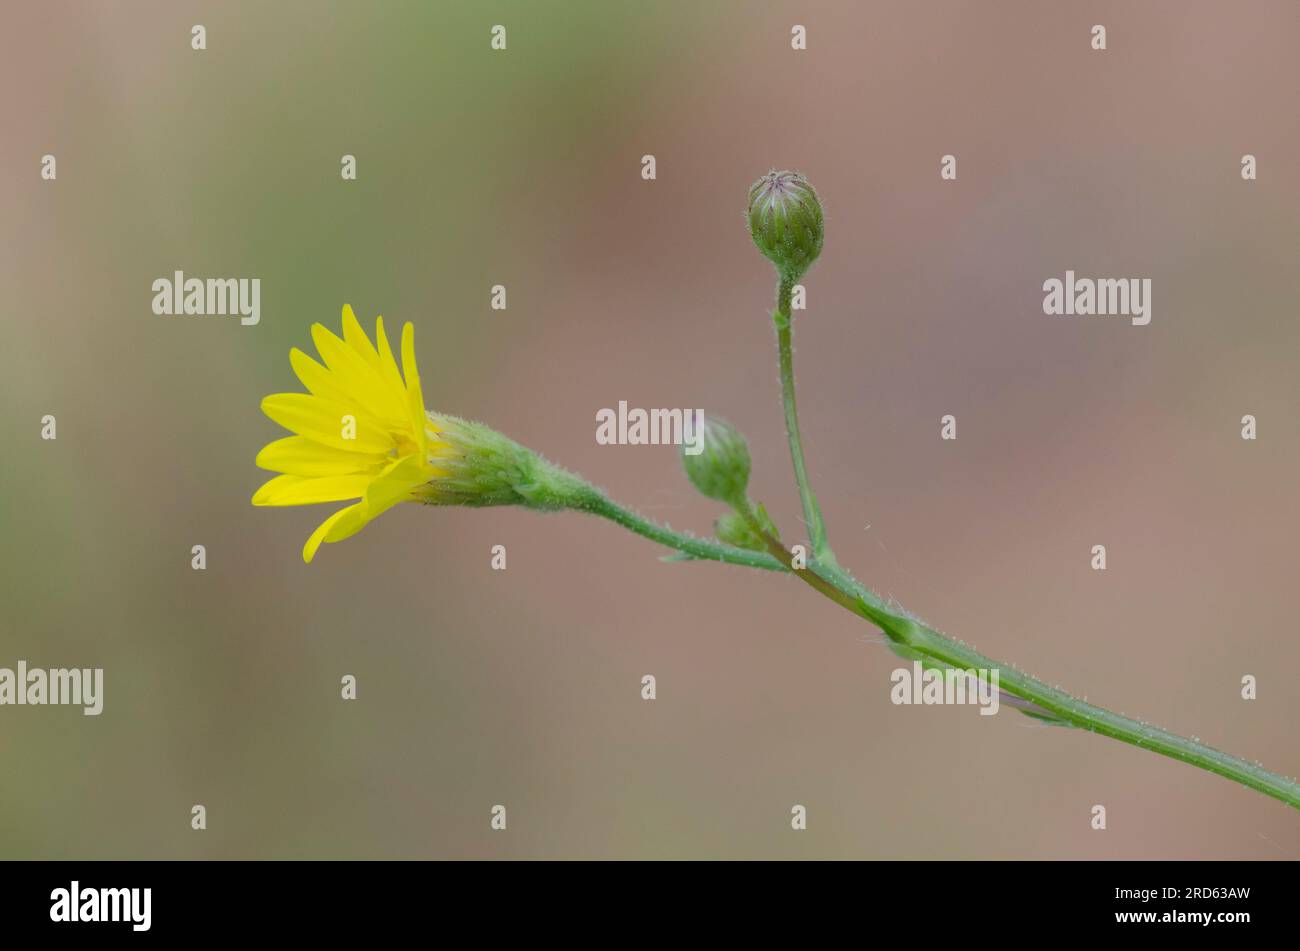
[361,431]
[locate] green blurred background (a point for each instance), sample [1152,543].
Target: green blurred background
[522,168]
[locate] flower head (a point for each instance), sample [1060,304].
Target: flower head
[361,432]
[785,221]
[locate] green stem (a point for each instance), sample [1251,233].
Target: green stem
[831,581]
[812,513]
[926,641]
[597,503]
[837,585]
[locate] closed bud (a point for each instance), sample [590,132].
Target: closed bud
[785,221]
[720,470]
[732,528]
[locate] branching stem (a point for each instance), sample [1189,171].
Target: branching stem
[824,575]
[837,585]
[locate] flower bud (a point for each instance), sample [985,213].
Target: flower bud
[720,469]
[785,221]
[732,528]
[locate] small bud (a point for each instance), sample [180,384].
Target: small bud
[721,468]
[732,528]
[785,221]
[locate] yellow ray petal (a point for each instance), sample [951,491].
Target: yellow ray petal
[318,536]
[388,365]
[298,455]
[356,338]
[414,396]
[304,490]
[395,483]
[319,380]
[363,382]
[325,422]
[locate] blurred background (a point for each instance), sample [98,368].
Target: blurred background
[478,687]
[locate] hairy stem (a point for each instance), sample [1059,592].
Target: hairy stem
[925,640]
[837,585]
[812,514]
[834,583]
[745,509]
[597,503]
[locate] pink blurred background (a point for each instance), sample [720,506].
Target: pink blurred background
[522,167]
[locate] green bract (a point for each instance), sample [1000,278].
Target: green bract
[478,466]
